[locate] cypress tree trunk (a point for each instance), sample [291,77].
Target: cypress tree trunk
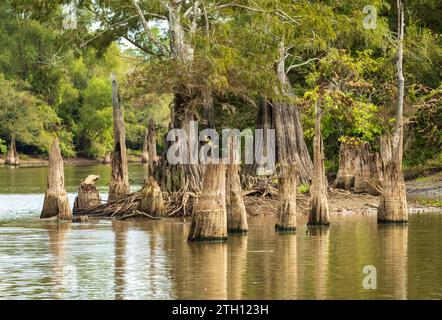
[145,154]
[56,202]
[152,146]
[119,185]
[285,118]
[236,210]
[393,203]
[319,213]
[209,219]
[12,155]
[348,163]
[107,158]
[286,211]
[88,195]
[368,174]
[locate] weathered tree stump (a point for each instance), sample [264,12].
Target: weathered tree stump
[393,203]
[236,210]
[107,158]
[56,202]
[152,199]
[119,185]
[319,213]
[348,163]
[12,158]
[209,219]
[286,211]
[88,195]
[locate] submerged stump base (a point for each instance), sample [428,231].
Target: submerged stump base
[209,219]
[286,211]
[393,202]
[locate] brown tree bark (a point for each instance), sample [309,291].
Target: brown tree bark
[393,203]
[145,153]
[236,210]
[119,185]
[107,158]
[319,213]
[56,202]
[348,163]
[286,211]
[209,219]
[88,195]
[368,173]
[152,146]
[152,199]
[12,155]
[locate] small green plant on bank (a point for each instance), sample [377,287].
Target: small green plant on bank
[304,188]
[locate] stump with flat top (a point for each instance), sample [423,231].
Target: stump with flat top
[88,195]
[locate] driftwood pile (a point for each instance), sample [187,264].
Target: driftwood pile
[146,202]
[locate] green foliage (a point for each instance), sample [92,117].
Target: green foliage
[304,188]
[425,132]
[33,122]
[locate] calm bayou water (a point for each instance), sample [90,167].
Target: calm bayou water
[152,260]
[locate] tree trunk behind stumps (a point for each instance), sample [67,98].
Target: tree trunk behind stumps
[286,211]
[393,203]
[12,155]
[152,199]
[145,154]
[319,213]
[107,158]
[119,185]
[236,210]
[209,219]
[88,195]
[348,163]
[56,202]
[368,174]
[152,146]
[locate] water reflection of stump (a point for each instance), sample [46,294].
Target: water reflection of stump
[120,231]
[394,255]
[57,243]
[313,263]
[286,273]
[209,265]
[236,266]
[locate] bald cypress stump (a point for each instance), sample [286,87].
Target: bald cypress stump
[88,195]
[152,199]
[56,202]
[12,158]
[119,185]
[319,213]
[286,211]
[209,219]
[393,203]
[236,210]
